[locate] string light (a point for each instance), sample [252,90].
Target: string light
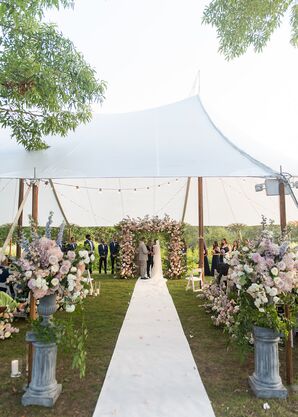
[110,189]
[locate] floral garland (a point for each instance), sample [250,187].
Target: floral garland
[129,228]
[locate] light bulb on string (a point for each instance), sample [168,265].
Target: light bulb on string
[119,190]
[77,187]
[100,190]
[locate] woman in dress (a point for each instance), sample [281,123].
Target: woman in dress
[224,249]
[215,257]
[156,272]
[235,245]
[206,262]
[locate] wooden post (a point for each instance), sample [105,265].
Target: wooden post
[33,314]
[201,224]
[283,227]
[20,221]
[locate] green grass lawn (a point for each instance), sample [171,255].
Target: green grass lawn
[104,317]
[222,372]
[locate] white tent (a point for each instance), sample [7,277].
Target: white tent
[148,156]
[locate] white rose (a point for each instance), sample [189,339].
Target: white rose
[7,335]
[70,308]
[53,259]
[73,269]
[38,282]
[248,269]
[83,253]
[28,274]
[245,249]
[71,277]
[276,300]
[55,282]
[272,292]
[92,258]
[54,268]
[86,292]
[274,271]
[87,260]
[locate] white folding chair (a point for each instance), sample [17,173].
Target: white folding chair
[195,282]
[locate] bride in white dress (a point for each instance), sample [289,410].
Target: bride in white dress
[157,265]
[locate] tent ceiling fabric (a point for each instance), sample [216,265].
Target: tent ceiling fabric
[176,140]
[226,201]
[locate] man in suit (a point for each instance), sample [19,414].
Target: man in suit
[72,245]
[103,254]
[89,246]
[114,250]
[143,257]
[150,259]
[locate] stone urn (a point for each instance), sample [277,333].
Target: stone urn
[43,388]
[265,381]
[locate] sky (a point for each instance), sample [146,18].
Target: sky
[153,53]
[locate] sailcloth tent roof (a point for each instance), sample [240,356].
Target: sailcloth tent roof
[148,156]
[168,141]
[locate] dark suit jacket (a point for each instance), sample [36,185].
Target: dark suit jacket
[103,250]
[89,246]
[114,248]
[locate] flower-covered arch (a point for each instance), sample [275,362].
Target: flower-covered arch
[129,231]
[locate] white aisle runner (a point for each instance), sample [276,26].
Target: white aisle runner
[152,371]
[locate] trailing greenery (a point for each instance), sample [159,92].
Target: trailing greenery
[46,87]
[242,23]
[72,340]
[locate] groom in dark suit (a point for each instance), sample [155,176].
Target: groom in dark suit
[150,259]
[114,250]
[103,254]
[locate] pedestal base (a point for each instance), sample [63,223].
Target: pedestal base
[262,391]
[46,399]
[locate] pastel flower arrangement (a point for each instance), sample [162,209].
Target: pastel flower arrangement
[6,328]
[263,277]
[44,269]
[129,229]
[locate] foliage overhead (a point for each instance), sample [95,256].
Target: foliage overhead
[242,23]
[46,87]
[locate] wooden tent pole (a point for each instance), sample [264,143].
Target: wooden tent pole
[283,226]
[10,233]
[186,199]
[20,221]
[33,314]
[201,224]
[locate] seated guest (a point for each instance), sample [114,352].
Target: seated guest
[223,270]
[72,244]
[4,274]
[215,257]
[103,254]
